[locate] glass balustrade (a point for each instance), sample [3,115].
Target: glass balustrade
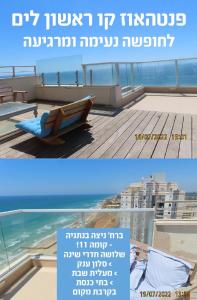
[169,73]
[71,71]
[33,232]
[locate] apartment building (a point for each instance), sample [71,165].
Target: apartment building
[152,192]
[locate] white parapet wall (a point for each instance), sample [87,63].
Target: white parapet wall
[105,95]
[177,237]
[26,83]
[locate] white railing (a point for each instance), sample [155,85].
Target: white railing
[180,72]
[17,71]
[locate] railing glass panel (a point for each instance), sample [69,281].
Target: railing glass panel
[4,261]
[140,223]
[187,72]
[49,79]
[15,235]
[155,74]
[71,78]
[60,70]
[101,75]
[126,77]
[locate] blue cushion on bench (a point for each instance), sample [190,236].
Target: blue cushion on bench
[36,126]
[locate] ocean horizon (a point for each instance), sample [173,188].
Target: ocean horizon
[71,201]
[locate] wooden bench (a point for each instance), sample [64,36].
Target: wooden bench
[7,92]
[57,116]
[59,121]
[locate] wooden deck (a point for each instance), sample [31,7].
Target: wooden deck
[114,136]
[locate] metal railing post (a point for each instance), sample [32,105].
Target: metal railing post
[77,78]
[35,72]
[58,79]
[177,72]
[84,74]
[133,74]
[13,71]
[43,82]
[91,77]
[117,74]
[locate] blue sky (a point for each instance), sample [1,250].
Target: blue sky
[26,177]
[13,53]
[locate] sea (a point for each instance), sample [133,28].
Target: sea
[20,231]
[161,73]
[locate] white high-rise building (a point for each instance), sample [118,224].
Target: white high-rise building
[152,191]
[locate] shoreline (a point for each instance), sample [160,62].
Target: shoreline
[47,244]
[98,220]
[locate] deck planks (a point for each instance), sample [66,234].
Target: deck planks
[174,145]
[139,144]
[151,144]
[115,137]
[111,151]
[130,142]
[162,145]
[185,150]
[106,132]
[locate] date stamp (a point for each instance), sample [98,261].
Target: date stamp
[162,137]
[163,294]
[152,294]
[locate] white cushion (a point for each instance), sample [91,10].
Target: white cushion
[137,274]
[165,270]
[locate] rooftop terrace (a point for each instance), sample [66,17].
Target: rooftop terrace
[142,110]
[114,132]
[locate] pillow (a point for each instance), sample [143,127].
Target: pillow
[132,255]
[137,274]
[165,270]
[35,126]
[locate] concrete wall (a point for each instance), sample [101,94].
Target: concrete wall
[177,237]
[131,96]
[12,277]
[106,95]
[23,83]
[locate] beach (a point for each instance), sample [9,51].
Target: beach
[47,245]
